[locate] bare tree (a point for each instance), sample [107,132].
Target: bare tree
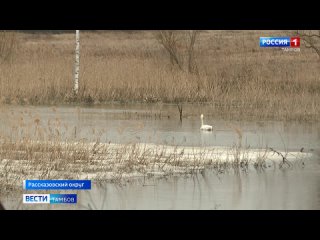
[77,64]
[192,67]
[170,41]
[178,44]
[311,39]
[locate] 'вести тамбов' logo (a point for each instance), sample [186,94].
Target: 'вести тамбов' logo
[281,42]
[50,198]
[53,185]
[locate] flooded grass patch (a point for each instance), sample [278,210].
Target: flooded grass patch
[28,159]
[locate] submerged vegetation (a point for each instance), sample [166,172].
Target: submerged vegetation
[36,149]
[112,162]
[236,77]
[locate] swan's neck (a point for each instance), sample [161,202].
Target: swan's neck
[201,121]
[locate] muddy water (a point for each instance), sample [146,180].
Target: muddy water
[297,188]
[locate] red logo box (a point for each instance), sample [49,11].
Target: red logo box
[295,42]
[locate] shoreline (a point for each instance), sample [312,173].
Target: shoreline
[223,114]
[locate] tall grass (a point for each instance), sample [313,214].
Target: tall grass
[8,45]
[238,78]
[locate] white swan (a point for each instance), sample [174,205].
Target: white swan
[205,127]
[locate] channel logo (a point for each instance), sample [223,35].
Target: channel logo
[50,198]
[63,198]
[281,42]
[36,198]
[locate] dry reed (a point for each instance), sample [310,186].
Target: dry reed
[239,79]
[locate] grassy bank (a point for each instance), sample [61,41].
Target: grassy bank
[235,75]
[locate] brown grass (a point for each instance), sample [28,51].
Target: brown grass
[36,149]
[236,76]
[8,45]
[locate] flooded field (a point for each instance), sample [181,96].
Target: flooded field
[295,187]
[158,124]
